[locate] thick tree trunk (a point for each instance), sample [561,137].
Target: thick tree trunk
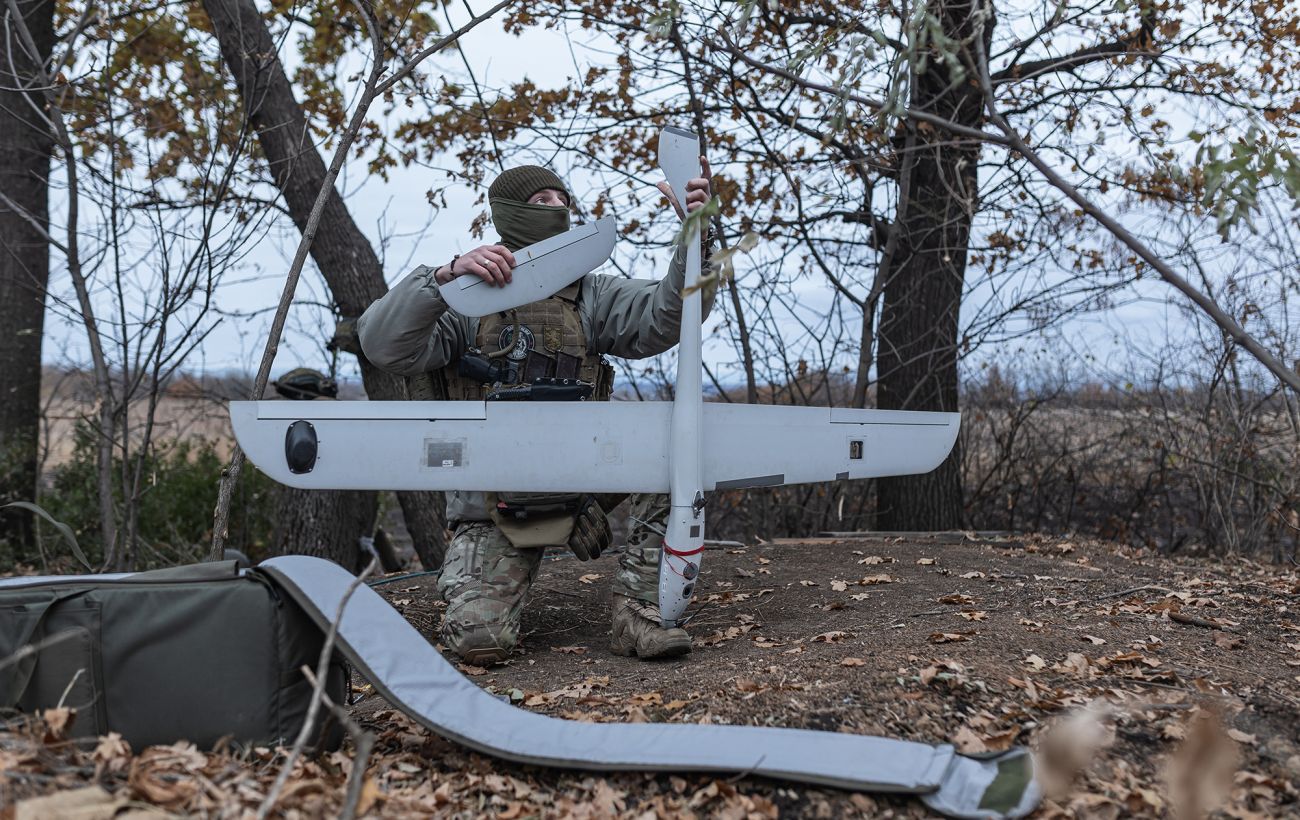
[341,252]
[26,145]
[919,319]
[308,521]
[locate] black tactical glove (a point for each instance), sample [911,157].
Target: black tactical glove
[591,532]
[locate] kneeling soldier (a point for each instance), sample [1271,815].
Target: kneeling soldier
[499,538]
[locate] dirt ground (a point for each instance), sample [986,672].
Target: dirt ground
[1170,685]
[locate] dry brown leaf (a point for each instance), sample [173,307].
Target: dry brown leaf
[57,722]
[165,775]
[370,795]
[975,574]
[853,662]
[1226,641]
[808,584]
[1002,741]
[872,560]
[834,636]
[950,669]
[973,615]
[570,650]
[861,596]
[607,802]
[513,811]
[839,586]
[89,803]
[872,580]
[589,578]
[967,742]
[1242,737]
[1093,639]
[1035,662]
[1198,775]
[956,598]
[1071,743]
[949,637]
[1076,664]
[926,562]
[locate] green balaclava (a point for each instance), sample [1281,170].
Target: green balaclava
[519,223]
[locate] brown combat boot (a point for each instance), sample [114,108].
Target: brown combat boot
[638,631]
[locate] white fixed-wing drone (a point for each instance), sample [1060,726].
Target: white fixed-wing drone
[684,447]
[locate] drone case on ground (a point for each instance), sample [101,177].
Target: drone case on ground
[200,652]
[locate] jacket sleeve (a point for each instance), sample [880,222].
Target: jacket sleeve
[410,329]
[638,318]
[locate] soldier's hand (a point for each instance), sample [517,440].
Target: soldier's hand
[591,534]
[698,191]
[491,263]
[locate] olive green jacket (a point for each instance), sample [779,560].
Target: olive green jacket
[411,330]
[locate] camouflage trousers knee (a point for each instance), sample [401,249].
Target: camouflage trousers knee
[638,568]
[485,580]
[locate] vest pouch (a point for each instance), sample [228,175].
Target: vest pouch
[535,519]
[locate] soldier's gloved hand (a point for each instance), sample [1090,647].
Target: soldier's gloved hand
[591,533]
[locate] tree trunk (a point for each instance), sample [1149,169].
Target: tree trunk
[341,252]
[26,145]
[308,522]
[922,297]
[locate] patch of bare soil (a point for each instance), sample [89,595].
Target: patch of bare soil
[1167,686]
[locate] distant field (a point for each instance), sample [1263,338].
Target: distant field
[190,409]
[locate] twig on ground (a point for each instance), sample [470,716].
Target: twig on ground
[1192,620]
[317,695]
[1127,592]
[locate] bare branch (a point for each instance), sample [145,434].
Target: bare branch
[317,695]
[1225,322]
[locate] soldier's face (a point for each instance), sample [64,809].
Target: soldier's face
[549,196]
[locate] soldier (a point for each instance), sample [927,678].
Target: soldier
[498,541]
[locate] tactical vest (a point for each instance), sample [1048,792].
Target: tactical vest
[544,339]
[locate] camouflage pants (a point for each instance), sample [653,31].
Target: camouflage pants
[485,579]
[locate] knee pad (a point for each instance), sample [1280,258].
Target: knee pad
[478,643]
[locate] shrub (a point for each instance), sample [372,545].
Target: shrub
[177,497]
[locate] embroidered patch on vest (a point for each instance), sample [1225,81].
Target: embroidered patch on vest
[520,349]
[552,338]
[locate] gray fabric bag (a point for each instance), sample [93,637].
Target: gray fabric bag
[200,652]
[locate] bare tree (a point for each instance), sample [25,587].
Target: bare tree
[344,256]
[26,146]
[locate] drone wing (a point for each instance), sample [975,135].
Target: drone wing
[750,445]
[459,445]
[575,446]
[541,269]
